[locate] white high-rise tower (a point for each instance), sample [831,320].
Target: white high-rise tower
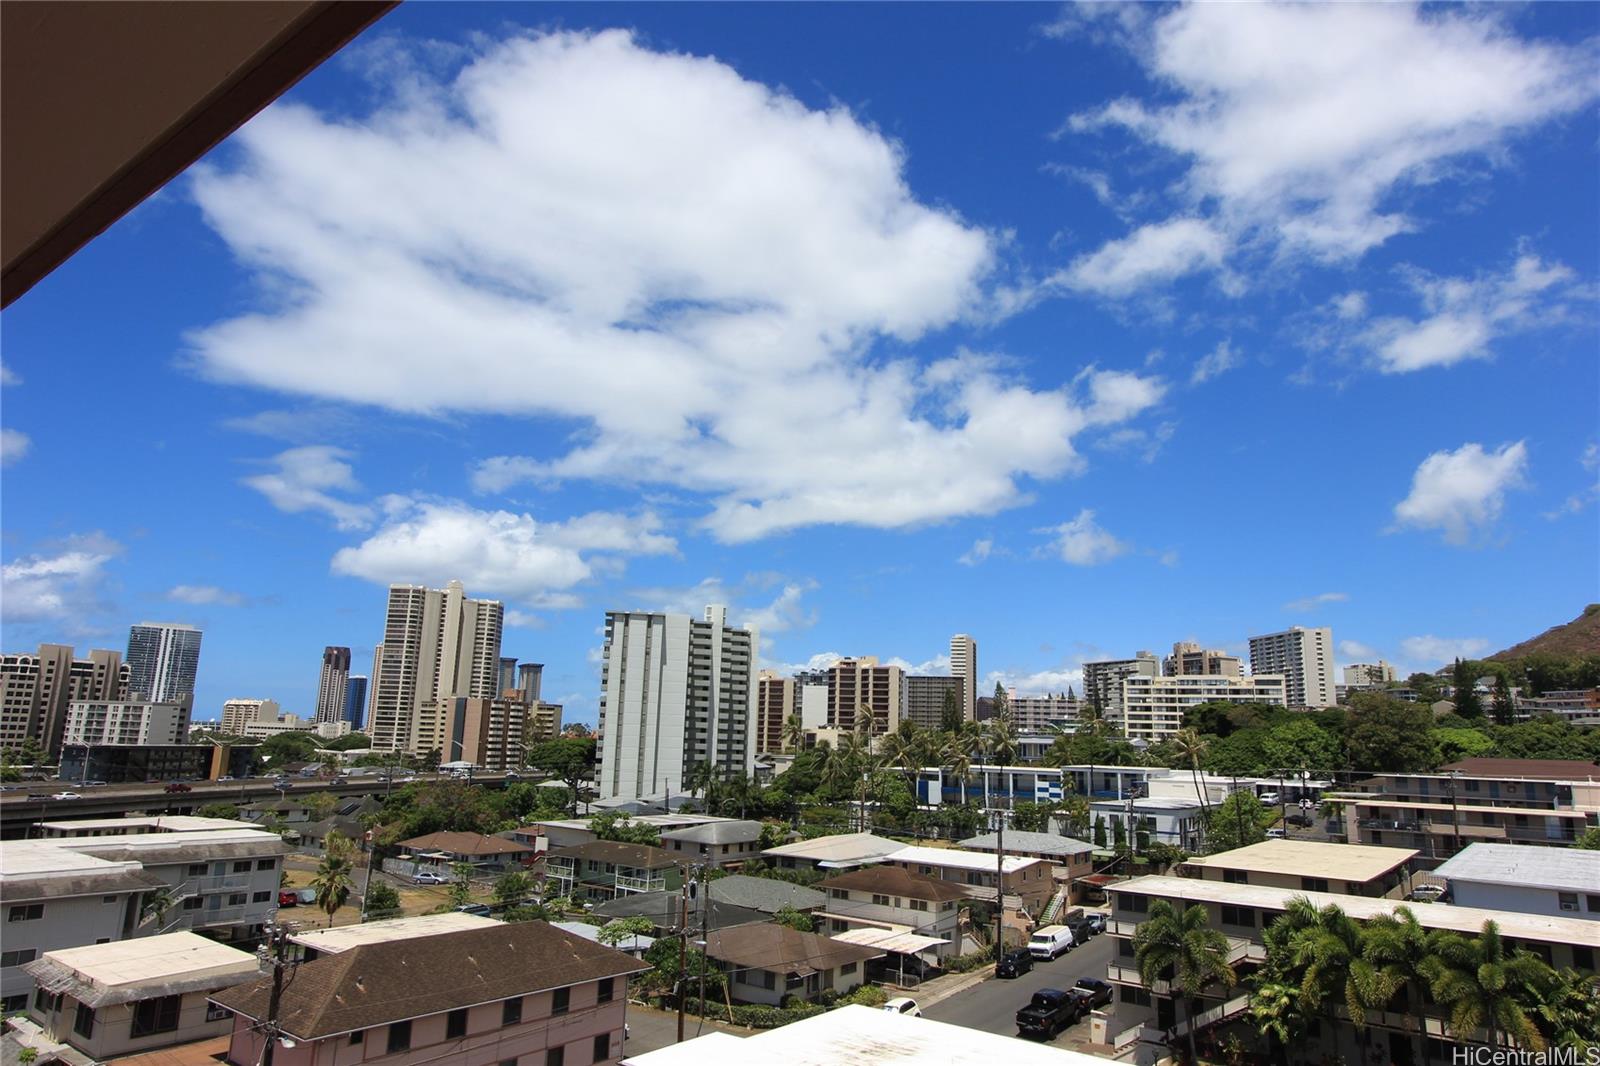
[1305,659]
[163,659]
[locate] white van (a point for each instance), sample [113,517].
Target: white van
[1050,941]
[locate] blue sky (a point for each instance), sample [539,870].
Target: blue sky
[1079,330]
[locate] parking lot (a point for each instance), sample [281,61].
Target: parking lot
[992,1005]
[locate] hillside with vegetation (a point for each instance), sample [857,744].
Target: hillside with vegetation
[1579,637]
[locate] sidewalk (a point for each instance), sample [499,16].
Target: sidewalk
[941,988]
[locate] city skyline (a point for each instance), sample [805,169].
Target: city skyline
[938,389]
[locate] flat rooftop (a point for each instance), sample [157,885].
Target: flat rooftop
[23,860]
[150,959]
[1310,858]
[333,941]
[1543,928]
[962,860]
[169,823]
[660,821]
[839,849]
[1564,869]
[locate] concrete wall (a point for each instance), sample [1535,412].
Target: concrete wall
[113,1027]
[1524,899]
[66,923]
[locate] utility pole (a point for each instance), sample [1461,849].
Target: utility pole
[277,946]
[683,949]
[366,885]
[703,902]
[1283,806]
[999,888]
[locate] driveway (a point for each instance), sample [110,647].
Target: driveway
[992,1005]
[650,1029]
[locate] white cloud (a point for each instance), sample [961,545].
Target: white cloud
[1351,305]
[1355,650]
[205,594]
[1431,652]
[9,376]
[62,586]
[1038,683]
[1465,315]
[1146,443]
[822,660]
[498,553]
[980,550]
[1219,360]
[14,445]
[1082,542]
[1151,255]
[785,612]
[1463,491]
[1575,503]
[653,248]
[1299,122]
[303,480]
[938,666]
[1311,603]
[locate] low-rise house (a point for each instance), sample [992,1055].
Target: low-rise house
[667,911]
[605,869]
[1026,881]
[841,851]
[440,852]
[764,962]
[567,832]
[144,823]
[1069,859]
[717,844]
[516,992]
[315,943]
[1177,822]
[1309,865]
[765,894]
[1564,882]
[890,907]
[132,996]
[635,945]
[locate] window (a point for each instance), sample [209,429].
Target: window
[28,912]
[1568,901]
[236,899]
[399,1036]
[215,1013]
[919,904]
[261,897]
[152,1016]
[42,1001]
[511,1011]
[18,957]
[1238,916]
[880,901]
[194,903]
[838,893]
[508,1062]
[12,1004]
[266,864]
[1235,877]
[769,980]
[847,968]
[1583,958]
[1314,884]
[83,1024]
[455,1024]
[1594,904]
[242,866]
[555,1056]
[197,869]
[560,1000]
[602,1047]
[1135,904]
[108,899]
[358,1036]
[607,990]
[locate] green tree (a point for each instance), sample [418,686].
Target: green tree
[1189,747]
[1001,734]
[1486,987]
[511,887]
[794,733]
[348,742]
[1387,735]
[1030,817]
[950,713]
[1464,678]
[618,930]
[382,901]
[1504,707]
[1181,948]
[1566,1009]
[1237,821]
[794,919]
[568,759]
[277,751]
[1307,973]
[613,825]
[1394,949]
[1454,743]
[1100,831]
[461,887]
[1301,744]
[1164,856]
[1428,687]
[334,878]
[1590,841]
[319,805]
[219,810]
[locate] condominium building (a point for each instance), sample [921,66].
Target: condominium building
[1563,882]
[674,692]
[293,723]
[1102,681]
[437,645]
[1304,657]
[506,676]
[1310,865]
[333,687]
[35,691]
[1190,658]
[163,659]
[544,723]
[1039,714]
[861,683]
[924,697]
[1152,708]
[124,722]
[355,700]
[238,713]
[964,665]
[1369,675]
[777,698]
[489,733]
[530,679]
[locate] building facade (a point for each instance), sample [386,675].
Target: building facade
[437,644]
[964,666]
[1370,675]
[333,686]
[126,722]
[854,684]
[776,699]
[1041,714]
[1190,658]
[163,659]
[355,701]
[923,702]
[238,713]
[675,692]
[36,690]
[1304,657]
[1102,681]
[1152,708]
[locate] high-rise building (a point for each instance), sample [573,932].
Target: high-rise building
[355,700]
[1152,708]
[238,713]
[507,678]
[544,723]
[1189,658]
[372,685]
[964,665]
[674,692]
[126,722]
[777,697]
[163,658]
[530,679]
[1305,659]
[1370,675]
[437,645]
[334,686]
[854,684]
[1102,681]
[1038,714]
[923,702]
[35,691]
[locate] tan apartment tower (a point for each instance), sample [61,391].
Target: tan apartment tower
[36,690]
[1189,659]
[1305,659]
[776,699]
[334,685]
[964,665]
[859,683]
[437,645]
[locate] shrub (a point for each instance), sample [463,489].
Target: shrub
[971,961]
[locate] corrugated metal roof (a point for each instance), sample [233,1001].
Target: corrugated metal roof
[900,939]
[1528,865]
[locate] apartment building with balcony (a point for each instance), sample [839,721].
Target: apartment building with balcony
[1562,882]
[892,908]
[144,823]
[1557,784]
[727,843]
[1310,866]
[1440,829]
[1151,708]
[606,869]
[1154,1015]
[1025,881]
[999,787]
[517,992]
[1177,822]
[123,723]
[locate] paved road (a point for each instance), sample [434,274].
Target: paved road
[650,1029]
[992,1006]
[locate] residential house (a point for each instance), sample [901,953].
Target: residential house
[442,852]
[1310,865]
[668,911]
[566,832]
[143,823]
[1026,880]
[605,869]
[765,894]
[635,945]
[516,992]
[720,844]
[1068,859]
[891,908]
[132,996]
[1166,821]
[841,851]
[1564,882]
[764,962]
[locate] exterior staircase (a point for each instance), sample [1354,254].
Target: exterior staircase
[1053,908]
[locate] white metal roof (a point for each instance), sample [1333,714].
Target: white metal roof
[897,938]
[839,848]
[168,823]
[1309,858]
[25,860]
[154,959]
[343,938]
[1568,869]
[961,860]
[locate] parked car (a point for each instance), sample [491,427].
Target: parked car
[1092,992]
[288,897]
[1276,833]
[1048,1012]
[1082,930]
[423,877]
[307,895]
[1428,892]
[903,1005]
[1301,820]
[475,908]
[1014,963]
[1268,799]
[178,786]
[1050,941]
[66,796]
[1098,920]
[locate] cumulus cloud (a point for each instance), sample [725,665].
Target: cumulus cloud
[938,666]
[822,660]
[1219,360]
[205,594]
[1575,503]
[60,585]
[1145,443]
[1311,603]
[648,246]
[1038,682]
[305,480]
[498,553]
[1298,123]
[1433,652]
[980,550]
[1151,255]
[1463,491]
[1354,649]
[9,376]
[785,611]
[1082,541]
[14,444]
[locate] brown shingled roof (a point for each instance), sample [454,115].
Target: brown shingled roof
[464,844]
[641,856]
[1546,769]
[896,881]
[375,984]
[769,946]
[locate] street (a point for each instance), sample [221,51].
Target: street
[650,1029]
[992,1005]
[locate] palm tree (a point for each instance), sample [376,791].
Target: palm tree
[794,733]
[1188,745]
[838,771]
[333,881]
[699,781]
[1275,1009]
[1486,987]
[1003,738]
[1312,951]
[1567,1008]
[1393,950]
[1181,948]
[957,760]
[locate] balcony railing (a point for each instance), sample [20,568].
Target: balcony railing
[641,884]
[221,883]
[1120,927]
[1128,975]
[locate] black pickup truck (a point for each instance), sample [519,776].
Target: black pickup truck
[1050,1011]
[1091,993]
